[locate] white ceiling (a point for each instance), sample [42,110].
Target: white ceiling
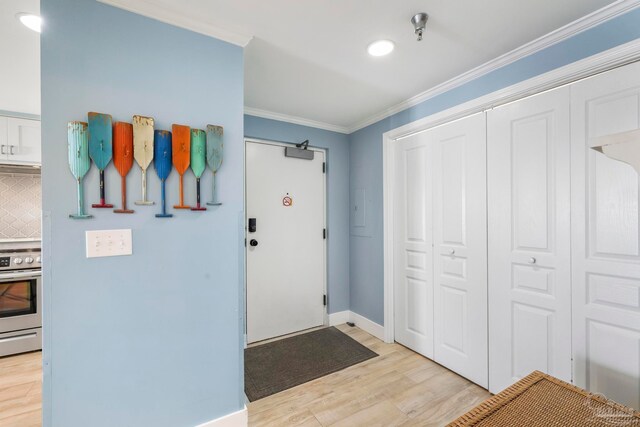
[20,59]
[308,58]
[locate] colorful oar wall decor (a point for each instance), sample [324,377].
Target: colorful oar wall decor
[79,162]
[143,150]
[162,164]
[181,145]
[123,157]
[198,161]
[214,157]
[100,149]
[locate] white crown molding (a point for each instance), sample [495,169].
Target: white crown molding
[168,16]
[295,120]
[606,13]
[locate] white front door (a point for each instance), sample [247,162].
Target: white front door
[606,239]
[529,239]
[286,254]
[413,268]
[460,246]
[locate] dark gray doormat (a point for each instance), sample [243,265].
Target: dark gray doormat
[280,365]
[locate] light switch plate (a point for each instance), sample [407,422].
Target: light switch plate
[102,243]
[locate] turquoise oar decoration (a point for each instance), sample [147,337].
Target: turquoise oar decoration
[79,163]
[100,148]
[214,156]
[162,162]
[198,161]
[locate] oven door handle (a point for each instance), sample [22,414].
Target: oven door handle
[20,275]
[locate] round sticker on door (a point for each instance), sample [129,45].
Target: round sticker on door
[287,201]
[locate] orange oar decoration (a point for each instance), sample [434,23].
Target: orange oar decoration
[123,157]
[181,147]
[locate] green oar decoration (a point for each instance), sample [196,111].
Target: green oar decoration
[198,161]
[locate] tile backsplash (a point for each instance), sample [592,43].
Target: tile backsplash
[20,206]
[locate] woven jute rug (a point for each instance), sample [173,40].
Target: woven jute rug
[540,400]
[279,365]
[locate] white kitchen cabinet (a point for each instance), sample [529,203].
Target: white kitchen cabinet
[20,141]
[4,135]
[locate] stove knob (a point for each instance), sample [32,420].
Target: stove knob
[28,260]
[17,261]
[38,260]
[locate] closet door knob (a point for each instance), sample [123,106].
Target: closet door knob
[532,260]
[452,251]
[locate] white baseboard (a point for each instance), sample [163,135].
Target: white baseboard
[339,318]
[367,325]
[235,419]
[361,322]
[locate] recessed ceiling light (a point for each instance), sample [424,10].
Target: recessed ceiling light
[31,21]
[380,48]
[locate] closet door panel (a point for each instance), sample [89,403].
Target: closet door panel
[460,247]
[413,270]
[605,239]
[529,239]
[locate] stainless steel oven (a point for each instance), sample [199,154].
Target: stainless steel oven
[20,300]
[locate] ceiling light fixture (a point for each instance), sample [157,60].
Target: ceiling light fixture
[419,22]
[380,48]
[31,21]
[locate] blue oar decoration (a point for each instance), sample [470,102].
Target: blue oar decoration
[100,148]
[162,162]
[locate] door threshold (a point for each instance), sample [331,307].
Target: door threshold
[281,337]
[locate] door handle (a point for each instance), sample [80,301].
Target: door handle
[252,225]
[532,260]
[253,242]
[11,147]
[2,149]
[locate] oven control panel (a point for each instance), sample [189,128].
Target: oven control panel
[20,260]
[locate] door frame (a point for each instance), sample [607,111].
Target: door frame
[584,68]
[248,140]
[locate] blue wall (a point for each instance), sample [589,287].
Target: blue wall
[365,166]
[154,338]
[337,146]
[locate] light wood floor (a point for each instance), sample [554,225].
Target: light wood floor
[21,390]
[397,388]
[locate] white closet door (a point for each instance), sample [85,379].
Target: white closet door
[460,246]
[529,239]
[413,282]
[605,239]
